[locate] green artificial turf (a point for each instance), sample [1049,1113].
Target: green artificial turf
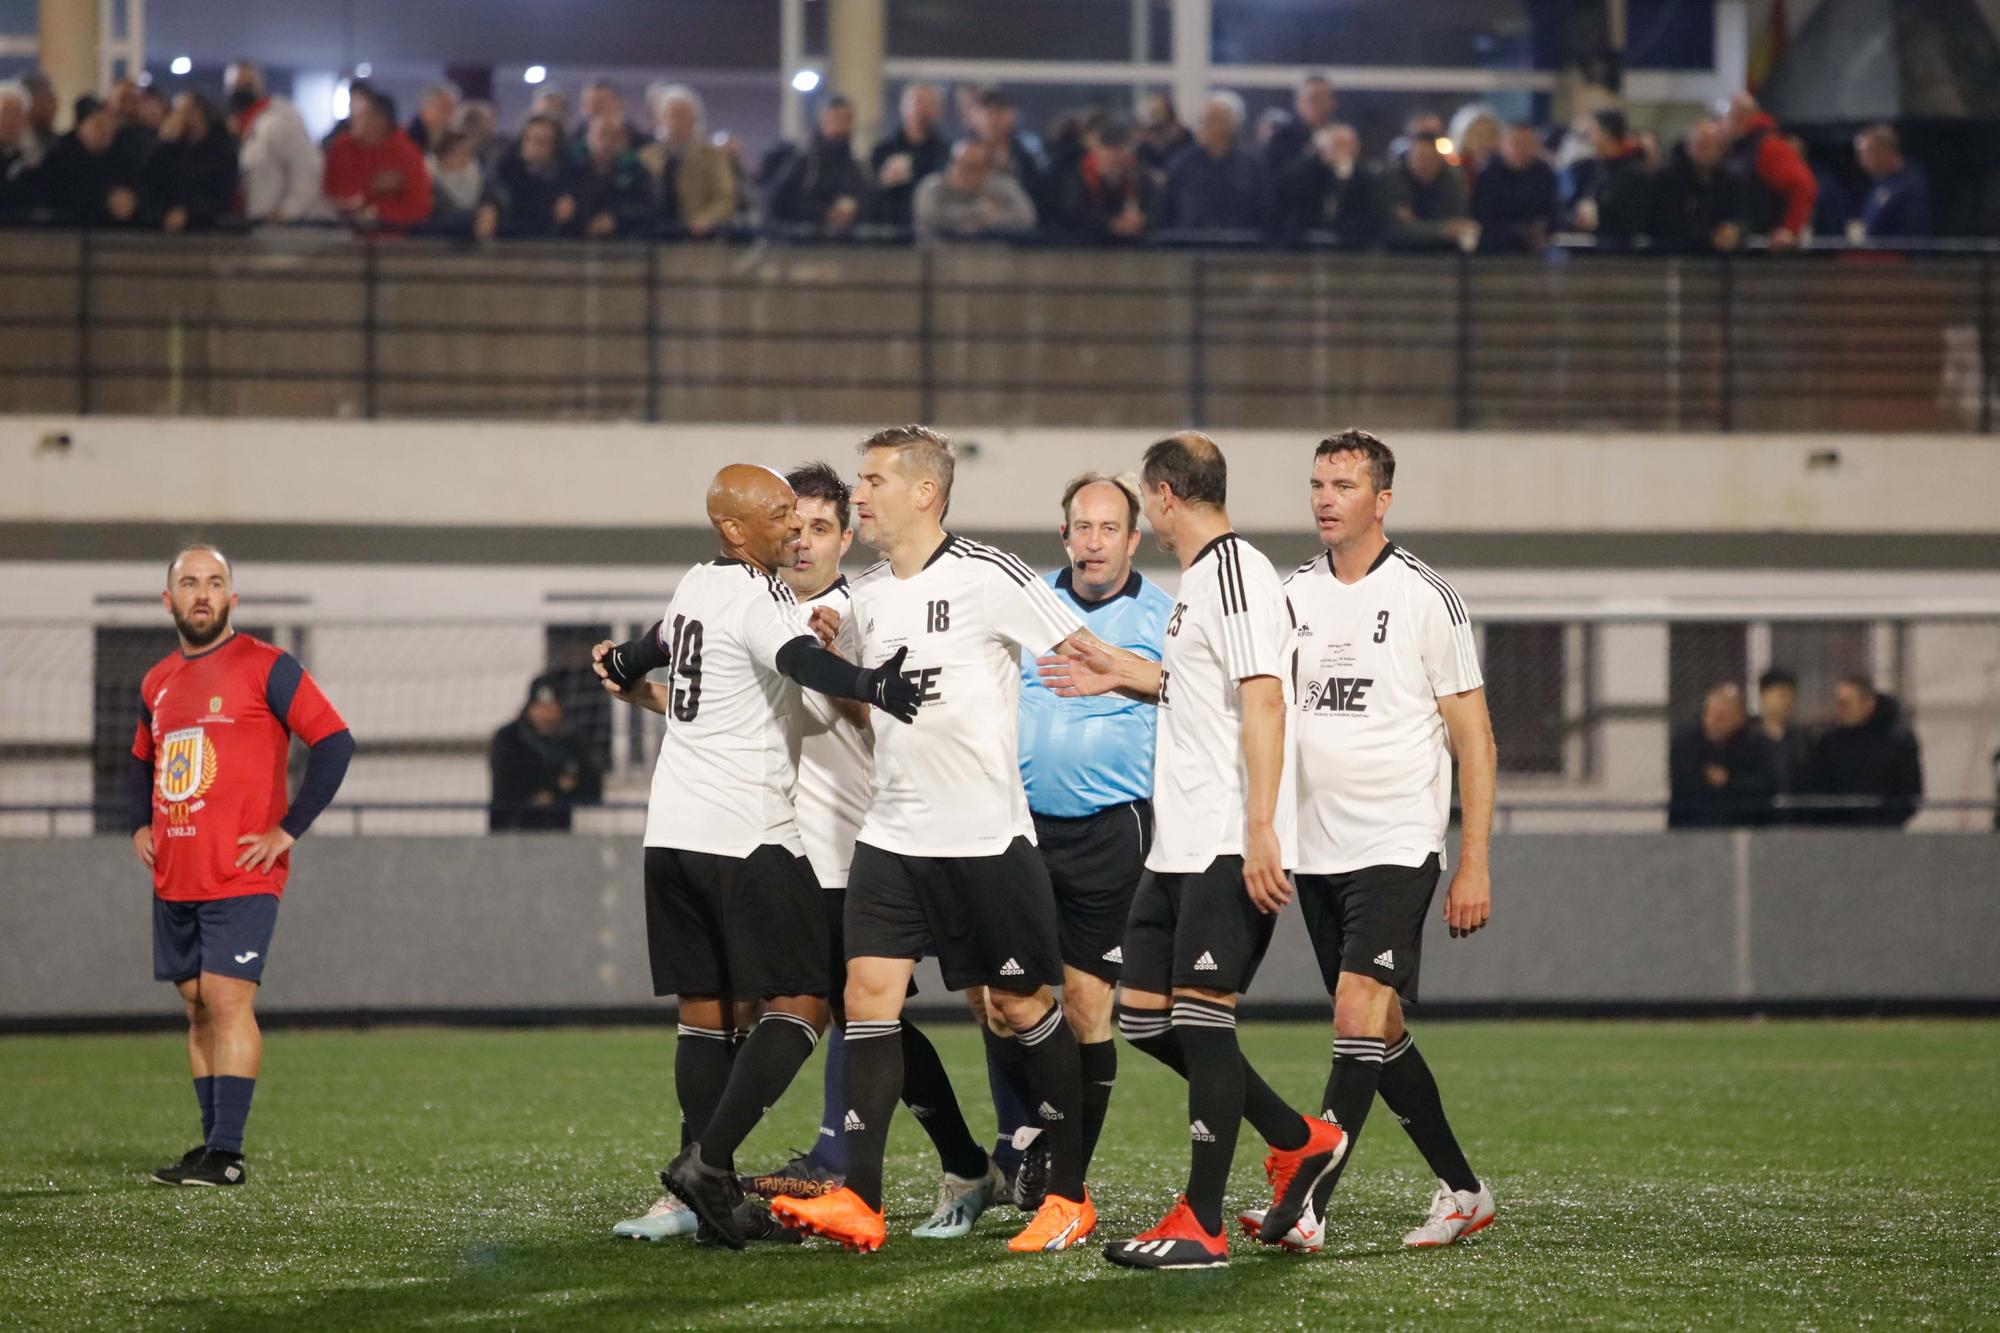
[1656,1175]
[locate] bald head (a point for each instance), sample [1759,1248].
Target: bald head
[755,515]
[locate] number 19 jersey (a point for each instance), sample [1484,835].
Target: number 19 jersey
[949,784]
[729,760]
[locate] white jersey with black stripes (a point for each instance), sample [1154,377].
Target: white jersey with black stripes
[949,784]
[729,760]
[1374,657]
[835,760]
[1230,623]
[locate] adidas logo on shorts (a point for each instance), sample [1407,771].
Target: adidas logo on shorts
[1117,954]
[1200,1133]
[1047,1112]
[1205,963]
[1010,968]
[1387,958]
[852,1124]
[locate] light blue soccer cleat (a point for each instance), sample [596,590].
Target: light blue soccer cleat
[667,1219]
[961,1201]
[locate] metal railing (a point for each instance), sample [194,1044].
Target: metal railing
[304,324]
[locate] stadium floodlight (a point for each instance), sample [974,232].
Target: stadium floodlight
[534,74]
[180,65]
[805,80]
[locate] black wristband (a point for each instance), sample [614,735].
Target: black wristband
[817,669]
[629,662]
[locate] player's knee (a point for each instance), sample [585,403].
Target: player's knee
[197,1012]
[1088,1009]
[1021,1012]
[1361,1006]
[811,1008]
[871,1000]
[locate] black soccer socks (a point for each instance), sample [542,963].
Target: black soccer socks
[701,1072]
[874,1082]
[1098,1061]
[1055,1080]
[1207,1034]
[204,1095]
[928,1093]
[1350,1091]
[1007,1081]
[765,1065]
[1410,1091]
[232,1112]
[1151,1031]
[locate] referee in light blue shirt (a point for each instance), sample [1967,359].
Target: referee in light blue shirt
[1088,766]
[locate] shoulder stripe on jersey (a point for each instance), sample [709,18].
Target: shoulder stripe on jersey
[1229,573]
[1453,607]
[873,569]
[990,549]
[1018,573]
[1436,578]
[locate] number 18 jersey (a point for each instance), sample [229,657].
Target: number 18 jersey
[729,760]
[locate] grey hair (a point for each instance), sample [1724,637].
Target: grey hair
[1228,101]
[661,94]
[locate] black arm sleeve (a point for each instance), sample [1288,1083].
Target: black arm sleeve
[817,669]
[138,792]
[631,661]
[326,765]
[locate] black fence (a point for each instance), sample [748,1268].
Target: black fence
[317,324]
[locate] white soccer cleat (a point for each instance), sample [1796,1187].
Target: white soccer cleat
[665,1220]
[1455,1214]
[960,1203]
[1307,1236]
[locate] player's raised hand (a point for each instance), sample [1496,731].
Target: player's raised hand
[825,622]
[1264,877]
[142,843]
[1468,904]
[262,850]
[891,692]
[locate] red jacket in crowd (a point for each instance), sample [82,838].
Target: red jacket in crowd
[390,176]
[1781,170]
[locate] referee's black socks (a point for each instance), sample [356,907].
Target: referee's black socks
[1410,1091]
[874,1082]
[1350,1091]
[1055,1080]
[764,1067]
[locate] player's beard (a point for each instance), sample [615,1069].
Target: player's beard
[195,636]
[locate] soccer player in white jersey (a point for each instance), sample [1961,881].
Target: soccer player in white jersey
[945,861]
[836,759]
[1390,691]
[1225,837]
[732,909]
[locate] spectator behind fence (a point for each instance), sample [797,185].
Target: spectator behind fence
[602,98]
[42,106]
[1782,189]
[191,177]
[1699,202]
[1475,135]
[1423,201]
[1331,189]
[917,149]
[614,195]
[1620,205]
[1292,137]
[533,190]
[1719,771]
[1107,195]
[970,198]
[127,104]
[91,181]
[1013,153]
[375,177]
[458,183]
[1422,126]
[692,178]
[1517,199]
[541,769]
[1162,137]
[153,109]
[553,103]
[1898,208]
[435,113]
[479,122]
[1791,746]
[20,155]
[1216,184]
[280,170]
[823,186]
[1869,758]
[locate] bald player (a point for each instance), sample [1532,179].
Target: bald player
[732,908]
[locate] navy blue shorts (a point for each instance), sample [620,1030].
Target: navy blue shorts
[227,936]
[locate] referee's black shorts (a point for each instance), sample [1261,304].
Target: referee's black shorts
[1197,929]
[990,920]
[750,927]
[1370,921]
[1094,867]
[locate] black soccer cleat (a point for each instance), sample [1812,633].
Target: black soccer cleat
[800,1178]
[171,1173]
[1031,1177]
[756,1224]
[215,1167]
[710,1190]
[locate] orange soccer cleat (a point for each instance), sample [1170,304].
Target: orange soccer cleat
[1179,1241]
[1058,1224]
[840,1216]
[1294,1175]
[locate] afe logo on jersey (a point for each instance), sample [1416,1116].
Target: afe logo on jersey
[926,681]
[1339,694]
[1165,676]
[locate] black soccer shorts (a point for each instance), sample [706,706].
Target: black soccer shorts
[1094,867]
[1370,921]
[990,920]
[750,928]
[1197,929]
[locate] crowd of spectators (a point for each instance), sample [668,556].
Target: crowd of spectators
[137,159]
[1729,769]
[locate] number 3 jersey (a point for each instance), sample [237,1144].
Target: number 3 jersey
[1374,655]
[729,760]
[1231,624]
[949,784]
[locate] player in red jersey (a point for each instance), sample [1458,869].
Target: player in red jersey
[210,820]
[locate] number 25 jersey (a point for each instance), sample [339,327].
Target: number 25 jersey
[729,761]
